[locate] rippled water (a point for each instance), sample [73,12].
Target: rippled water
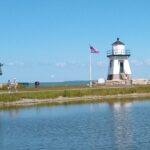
[114,126]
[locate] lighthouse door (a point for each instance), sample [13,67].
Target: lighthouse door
[121,67]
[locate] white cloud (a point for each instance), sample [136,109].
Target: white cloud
[61,64]
[44,63]
[16,63]
[52,76]
[10,64]
[70,64]
[136,62]
[147,62]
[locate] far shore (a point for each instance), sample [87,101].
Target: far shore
[69,100]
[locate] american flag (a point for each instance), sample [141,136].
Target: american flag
[94,50]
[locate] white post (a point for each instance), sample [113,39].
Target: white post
[90,70]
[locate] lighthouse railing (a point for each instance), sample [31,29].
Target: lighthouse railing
[114,53]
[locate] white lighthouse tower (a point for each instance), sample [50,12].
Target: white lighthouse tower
[119,68]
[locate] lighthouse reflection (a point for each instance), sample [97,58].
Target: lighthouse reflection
[120,105]
[122,125]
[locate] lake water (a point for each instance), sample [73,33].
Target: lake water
[117,126]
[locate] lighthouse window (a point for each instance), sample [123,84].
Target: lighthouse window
[121,67]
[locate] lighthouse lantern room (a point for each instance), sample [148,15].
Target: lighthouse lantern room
[119,68]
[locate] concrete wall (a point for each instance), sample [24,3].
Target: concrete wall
[140,82]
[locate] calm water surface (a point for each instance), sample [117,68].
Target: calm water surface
[104,126]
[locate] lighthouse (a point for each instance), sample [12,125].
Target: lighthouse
[119,68]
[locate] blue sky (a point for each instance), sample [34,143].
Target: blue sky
[48,40]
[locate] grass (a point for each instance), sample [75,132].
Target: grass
[45,93]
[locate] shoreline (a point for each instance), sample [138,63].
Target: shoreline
[68,100]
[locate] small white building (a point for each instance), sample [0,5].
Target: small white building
[119,68]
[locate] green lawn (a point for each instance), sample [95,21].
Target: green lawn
[54,92]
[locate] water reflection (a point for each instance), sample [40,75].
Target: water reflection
[120,105]
[108,126]
[122,125]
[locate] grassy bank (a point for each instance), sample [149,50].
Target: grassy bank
[109,101]
[68,92]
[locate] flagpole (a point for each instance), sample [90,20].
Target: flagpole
[92,50]
[90,70]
